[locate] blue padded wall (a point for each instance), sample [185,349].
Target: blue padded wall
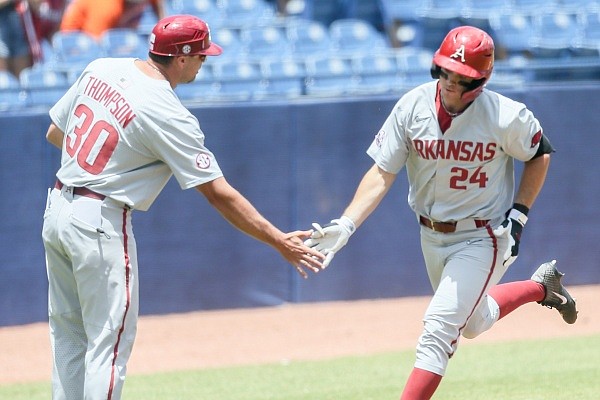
[297,162]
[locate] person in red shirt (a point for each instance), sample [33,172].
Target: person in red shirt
[41,19]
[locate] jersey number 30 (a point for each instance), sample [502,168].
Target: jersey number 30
[461,175]
[94,142]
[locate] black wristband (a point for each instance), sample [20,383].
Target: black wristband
[520,207]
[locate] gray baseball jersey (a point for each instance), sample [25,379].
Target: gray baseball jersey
[127,135]
[465,172]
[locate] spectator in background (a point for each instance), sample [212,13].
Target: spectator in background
[15,54]
[94,17]
[134,9]
[41,19]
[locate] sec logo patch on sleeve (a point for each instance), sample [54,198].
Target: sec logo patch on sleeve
[535,140]
[203,160]
[380,137]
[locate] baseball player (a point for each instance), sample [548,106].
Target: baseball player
[123,132]
[458,142]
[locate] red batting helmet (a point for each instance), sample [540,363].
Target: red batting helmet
[182,35]
[467,51]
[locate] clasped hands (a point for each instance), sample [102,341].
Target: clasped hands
[328,239]
[317,251]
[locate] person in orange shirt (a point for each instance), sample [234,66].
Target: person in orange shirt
[95,17]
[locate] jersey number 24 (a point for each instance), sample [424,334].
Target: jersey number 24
[461,175]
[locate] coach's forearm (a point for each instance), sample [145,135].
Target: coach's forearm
[238,211]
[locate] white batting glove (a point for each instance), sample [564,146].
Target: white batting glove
[511,228]
[330,238]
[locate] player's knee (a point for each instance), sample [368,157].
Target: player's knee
[482,319]
[438,336]
[470,333]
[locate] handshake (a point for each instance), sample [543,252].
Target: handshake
[330,238]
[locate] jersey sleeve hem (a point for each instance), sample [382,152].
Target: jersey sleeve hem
[196,182]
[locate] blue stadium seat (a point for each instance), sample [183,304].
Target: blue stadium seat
[198,92]
[206,10]
[280,89]
[203,88]
[402,21]
[285,78]
[11,95]
[443,8]
[44,86]
[308,38]
[483,9]
[577,6]
[229,40]
[239,80]
[405,10]
[275,68]
[48,54]
[8,80]
[588,40]
[349,36]
[75,47]
[415,65]
[506,76]
[554,35]
[330,76]
[13,99]
[36,78]
[406,33]
[147,22]
[123,42]
[265,41]
[366,10]
[438,17]
[322,11]
[237,70]
[534,6]
[379,73]
[242,13]
[149,18]
[514,33]
[478,12]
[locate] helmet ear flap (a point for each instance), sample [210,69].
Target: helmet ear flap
[435,71]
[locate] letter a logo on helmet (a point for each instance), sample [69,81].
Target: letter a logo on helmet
[460,52]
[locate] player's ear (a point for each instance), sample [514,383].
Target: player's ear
[180,61]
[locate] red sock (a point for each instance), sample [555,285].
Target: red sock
[421,385]
[512,295]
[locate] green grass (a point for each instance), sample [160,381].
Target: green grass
[558,369]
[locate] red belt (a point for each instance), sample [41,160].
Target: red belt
[82,191]
[449,227]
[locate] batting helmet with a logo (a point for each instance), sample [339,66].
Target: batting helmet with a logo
[467,51]
[182,35]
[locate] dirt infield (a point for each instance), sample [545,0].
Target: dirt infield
[285,333]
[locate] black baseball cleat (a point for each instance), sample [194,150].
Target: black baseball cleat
[557,295]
